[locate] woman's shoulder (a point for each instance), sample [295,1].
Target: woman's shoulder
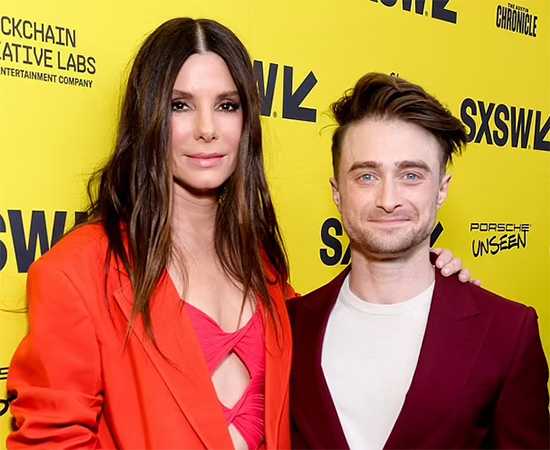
[81,248]
[275,279]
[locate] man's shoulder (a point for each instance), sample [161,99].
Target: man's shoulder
[312,300]
[501,309]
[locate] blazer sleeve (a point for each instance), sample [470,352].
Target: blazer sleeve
[55,375]
[521,419]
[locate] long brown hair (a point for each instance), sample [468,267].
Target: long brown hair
[134,190]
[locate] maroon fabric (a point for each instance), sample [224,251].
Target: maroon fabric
[480,381]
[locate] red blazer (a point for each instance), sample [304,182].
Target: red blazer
[77,386]
[480,381]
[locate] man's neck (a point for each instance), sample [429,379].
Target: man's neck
[391,280]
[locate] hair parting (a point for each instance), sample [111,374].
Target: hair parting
[134,188]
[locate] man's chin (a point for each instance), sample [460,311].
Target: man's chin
[387,253]
[388,249]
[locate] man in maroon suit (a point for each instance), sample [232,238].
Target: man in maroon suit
[390,354]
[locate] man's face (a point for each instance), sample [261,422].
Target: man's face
[389,186]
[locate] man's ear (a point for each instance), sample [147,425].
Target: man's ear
[443,190]
[335,192]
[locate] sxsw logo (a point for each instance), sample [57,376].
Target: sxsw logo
[294,92]
[27,236]
[500,124]
[4,403]
[439,8]
[4,406]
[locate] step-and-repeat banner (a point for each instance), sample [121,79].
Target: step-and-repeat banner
[62,70]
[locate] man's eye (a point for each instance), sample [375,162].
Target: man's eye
[366,177]
[410,176]
[229,106]
[179,105]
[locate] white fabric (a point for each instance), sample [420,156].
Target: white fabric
[369,356]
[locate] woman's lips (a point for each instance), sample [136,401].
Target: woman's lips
[206,160]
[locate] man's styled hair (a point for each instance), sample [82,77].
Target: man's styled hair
[381,96]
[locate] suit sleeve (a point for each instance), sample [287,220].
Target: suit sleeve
[55,374]
[522,420]
[298,441]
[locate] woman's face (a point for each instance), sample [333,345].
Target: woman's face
[206,124]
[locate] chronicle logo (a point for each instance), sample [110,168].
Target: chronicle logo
[439,8]
[516,19]
[495,237]
[292,97]
[33,50]
[28,235]
[333,252]
[505,125]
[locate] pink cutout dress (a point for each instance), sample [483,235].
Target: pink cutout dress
[247,415]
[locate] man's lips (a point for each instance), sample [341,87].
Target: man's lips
[390,221]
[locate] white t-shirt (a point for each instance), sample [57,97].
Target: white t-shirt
[369,356]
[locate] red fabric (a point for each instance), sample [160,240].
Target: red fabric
[247,415]
[80,382]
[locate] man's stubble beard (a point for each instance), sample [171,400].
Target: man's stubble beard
[387,245]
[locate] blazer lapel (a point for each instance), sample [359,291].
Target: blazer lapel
[312,403]
[278,350]
[451,341]
[181,364]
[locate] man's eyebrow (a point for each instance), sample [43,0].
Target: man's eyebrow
[364,165]
[406,164]
[413,164]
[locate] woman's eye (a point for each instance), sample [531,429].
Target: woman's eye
[179,105]
[229,106]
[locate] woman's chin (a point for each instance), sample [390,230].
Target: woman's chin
[204,190]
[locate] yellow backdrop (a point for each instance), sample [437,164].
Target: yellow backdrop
[63,65]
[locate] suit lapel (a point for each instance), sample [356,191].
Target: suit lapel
[312,402]
[277,370]
[181,365]
[451,341]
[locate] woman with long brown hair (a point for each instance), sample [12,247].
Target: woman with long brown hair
[161,323]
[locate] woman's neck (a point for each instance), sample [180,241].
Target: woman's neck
[193,216]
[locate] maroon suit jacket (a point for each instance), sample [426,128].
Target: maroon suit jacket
[480,381]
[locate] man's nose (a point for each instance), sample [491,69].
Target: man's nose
[387,196]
